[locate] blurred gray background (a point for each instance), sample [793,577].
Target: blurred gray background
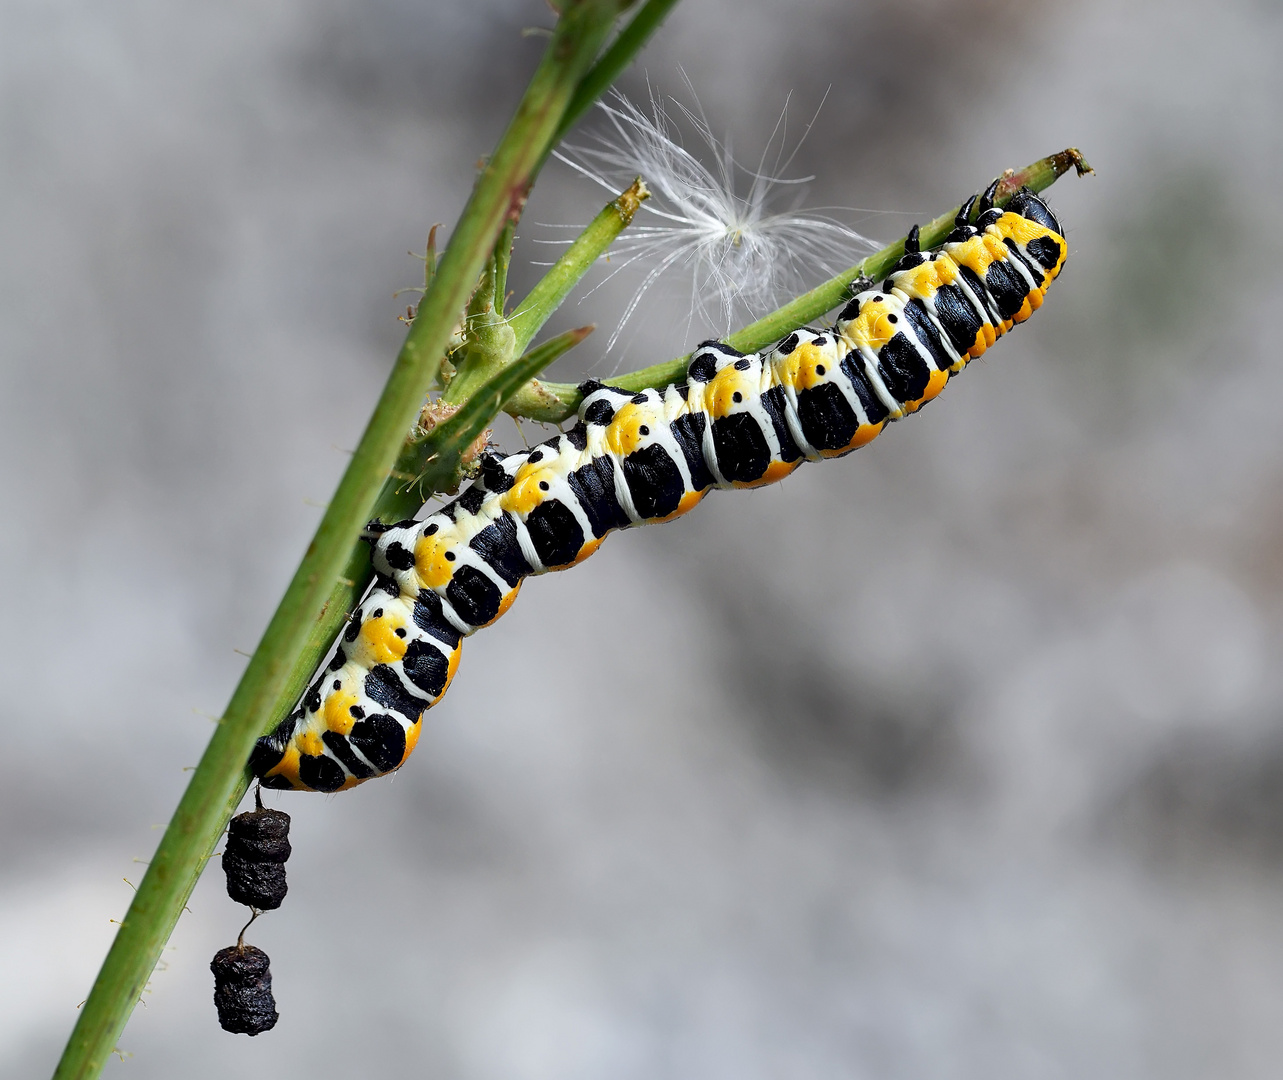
[960,758]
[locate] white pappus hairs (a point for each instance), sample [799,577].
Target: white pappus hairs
[743,250]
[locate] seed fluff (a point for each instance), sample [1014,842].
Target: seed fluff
[721,227]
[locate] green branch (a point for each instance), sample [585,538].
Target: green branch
[555,402]
[531,314]
[292,636]
[493,340]
[632,38]
[614,60]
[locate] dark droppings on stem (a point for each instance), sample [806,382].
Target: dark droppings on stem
[243,990]
[254,860]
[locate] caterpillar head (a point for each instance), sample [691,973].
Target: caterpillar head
[1025,203]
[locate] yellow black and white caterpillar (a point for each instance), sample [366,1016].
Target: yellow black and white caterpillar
[738,421]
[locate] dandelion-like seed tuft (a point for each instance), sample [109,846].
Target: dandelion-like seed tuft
[720,226]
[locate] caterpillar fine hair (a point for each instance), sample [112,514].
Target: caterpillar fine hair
[737,421]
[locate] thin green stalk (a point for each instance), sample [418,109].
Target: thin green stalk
[219,780]
[501,258]
[504,183]
[614,60]
[632,38]
[493,340]
[531,314]
[555,402]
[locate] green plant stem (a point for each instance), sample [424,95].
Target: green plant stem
[219,780]
[531,314]
[493,341]
[632,38]
[555,402]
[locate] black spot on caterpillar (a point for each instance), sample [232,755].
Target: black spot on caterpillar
[738,421]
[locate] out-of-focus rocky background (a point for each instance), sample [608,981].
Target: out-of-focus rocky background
[960,758]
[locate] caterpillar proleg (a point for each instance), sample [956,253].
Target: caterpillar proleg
[737,421]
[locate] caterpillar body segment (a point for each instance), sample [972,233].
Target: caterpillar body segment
[737,421]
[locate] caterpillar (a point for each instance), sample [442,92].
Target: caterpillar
[739,420]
